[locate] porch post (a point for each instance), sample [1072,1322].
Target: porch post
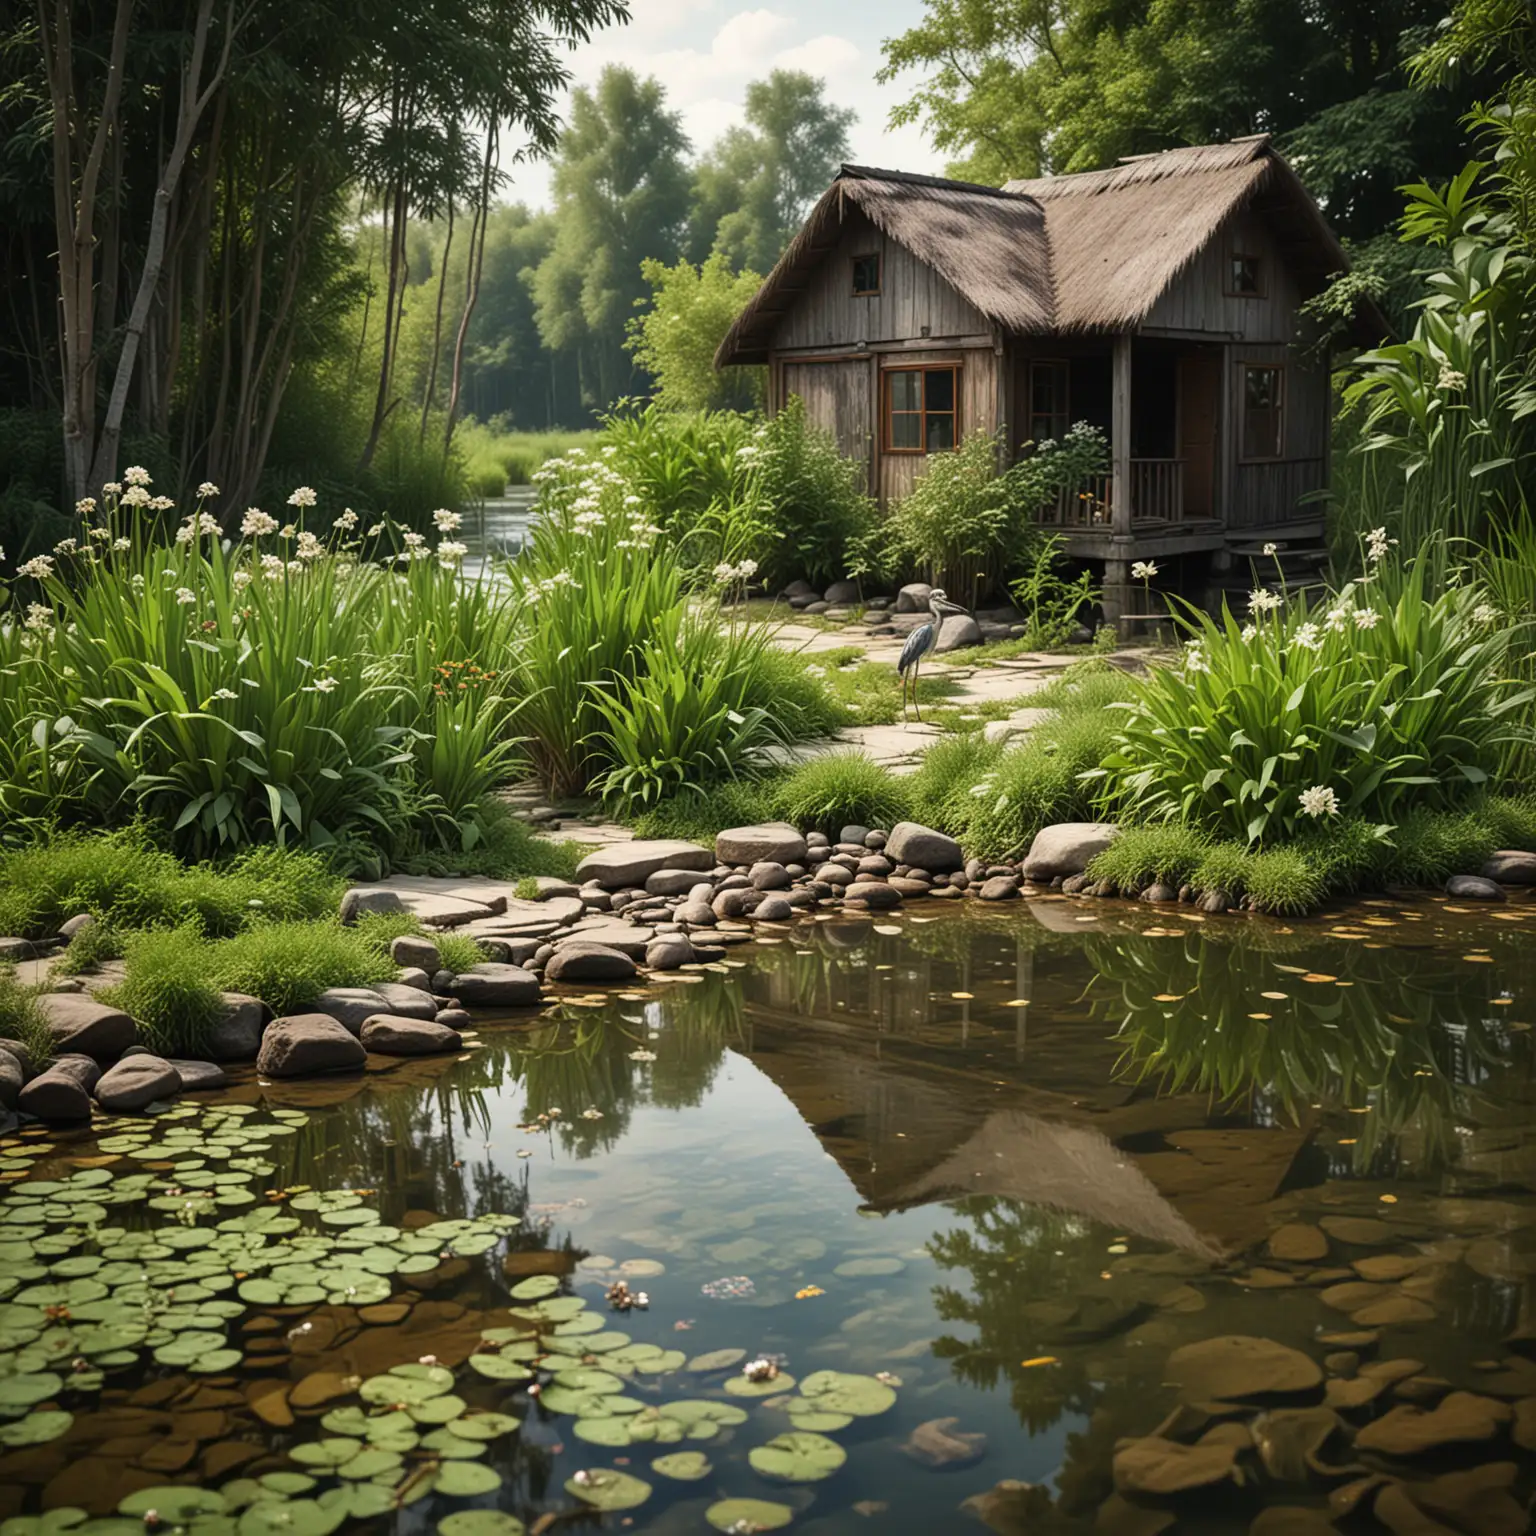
[1117,584]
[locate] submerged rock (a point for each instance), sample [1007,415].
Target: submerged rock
[943,1446]
[1241,1368]
[1298,1242]
[1011,1508]
[390,1035]
[1162,1467]
[1462,1419]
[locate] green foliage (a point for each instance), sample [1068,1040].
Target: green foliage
[90,948]
[828,792]
[1051,604]
[1429,846]
[1143,855]
[495,459]
[1282,881]
[21,1018]
[288,965]
[675,339]
[698,817]
[527,888]
[378,930]
[166,989]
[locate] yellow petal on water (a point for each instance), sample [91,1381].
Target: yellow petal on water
[888,928]
[1117,1248]
[1169,997]
[1363,1110]
[1023,1002]
[1479,959]
[1261,1015]
[1278,997]
[1502,1002]
[1318,976]
[1029,1365]
[966,996]
[1389,1199]
[1343,983]
[1347,1141]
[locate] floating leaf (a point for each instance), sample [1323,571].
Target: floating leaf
[481,1522]
[744,1386]
[536,1287]
[846,1392]
[798,1457]
[359,1501]
[19,1393]
[465,1479]
[499,1368]
[407,1384]
[327,1454]
[604,1489]
[289,1484]
[860,1268]
[806,1415]
[484,1426]
[684,1466]
[717,1360]
[748,1515]
[444,1443]
[175,1505]
[36,1428]
[291,1517]
[369,1464]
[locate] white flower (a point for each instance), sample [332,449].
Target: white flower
[203,523]
[747,568]
[272,567]
[39,566]
[1195,659]
[136,474]
[415,540]
[136,496]
[185,595]
[1271,549]
[241,579]
[449,553]
[293,567]
[112,488]
[287,531]
[1484,613]
[310,547]
[1377,544]
[347,521]
[226,693]
[1366,618]
[304,496]
[39,616]
[724,572]
[90,533]
[1320,800]
[1308,637]
[447,522]
[65,547]
[122,543]
[1144,570]
[160,503]
[1249,631]
[376,530]
[85,506]
[207,488]
[1338,618]
[1262,600]
[325,684]
[1451,378]
[256,522]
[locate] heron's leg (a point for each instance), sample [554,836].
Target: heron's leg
[916,703]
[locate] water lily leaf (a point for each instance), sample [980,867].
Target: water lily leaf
[556,1310]
[407,1384]
[586,1379]
[19,1393]
[499,1368]
[748,1515]
[717,1360]
[481,1522]
[353,1216]
[328,1454]
[516,1343]
[806,1415]
[51,1523]
[383,1431]
[701,1418]
[606,1489]
[36,1428]
[261,1293]
[483,1426]
[368,1464]
[743,1386]
[437,1410]
[797,1457]
[612,1432]
[847,1392]
[684,1466]
[443,1442]
[465,1479]
[174,1505]
[360,1501]
[536,1287]
[291,1517]
[289,1484]
[584,1322]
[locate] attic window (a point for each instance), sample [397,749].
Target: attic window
[1245,277]
[866,275]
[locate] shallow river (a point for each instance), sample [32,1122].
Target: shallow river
[997,1169]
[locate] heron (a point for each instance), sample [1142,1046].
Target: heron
[920,642]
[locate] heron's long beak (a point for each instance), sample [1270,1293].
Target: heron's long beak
[944,607]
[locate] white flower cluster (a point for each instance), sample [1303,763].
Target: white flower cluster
[1485,613]
[346,522]
[207,489]
[303,496]
[745,571]
[1144,570]
[256,523]
[136,474]
[310,547]
[552,584]
[1320,800]
[1262,600]
[450,553]
[201,523]
[446,521]
[1377,544]
[1451,378]
[39,567]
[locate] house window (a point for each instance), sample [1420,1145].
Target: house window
[1049,403]
[866,275]
[921,409]
[1263,412]
[1245,276]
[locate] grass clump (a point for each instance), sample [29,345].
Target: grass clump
[699,816]
[168,991]
[90,949]
[1285,882]
[829,792]
[379,930]
[1168,854]
[21,1017]
[506,850]
[289,964]
[1428,847]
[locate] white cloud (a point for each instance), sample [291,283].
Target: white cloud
[828,57]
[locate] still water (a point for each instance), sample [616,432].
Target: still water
[1008,1164]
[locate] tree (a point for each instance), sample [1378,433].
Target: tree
[621,197]
[756,184]
[675,340]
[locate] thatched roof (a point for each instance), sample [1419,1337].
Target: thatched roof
[1085,253]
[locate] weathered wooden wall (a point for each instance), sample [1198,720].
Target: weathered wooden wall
[838,396]
[979,409]
[1198,301]
[1261,495]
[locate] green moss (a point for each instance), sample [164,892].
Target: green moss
[1284,882]
[829,792]
[21,1018]
[168,991]
[288,965]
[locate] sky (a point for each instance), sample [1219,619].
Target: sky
[705,51]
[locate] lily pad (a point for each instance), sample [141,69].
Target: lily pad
[175,1505]
[481,1522]
[748,1515]
[36,1428]
[444,1443]
[847,1392]
[499,1368]
[465,1479]
[717,1360]
[483,1426]
[291,1517]
[536,1287]
[605,1489]
[684,1466]
[327,1454]
[358,1501]
[797,1457]
[407,1385]
[19,1393]
[743,1386]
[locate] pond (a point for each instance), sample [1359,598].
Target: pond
[987,1190]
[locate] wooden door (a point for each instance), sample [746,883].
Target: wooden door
[1199,429]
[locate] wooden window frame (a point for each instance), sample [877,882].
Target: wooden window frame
[867,293]
[1065,416]
[1236,254]
[1281,410]
[922,414]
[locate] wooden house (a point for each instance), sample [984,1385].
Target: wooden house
[1157,300]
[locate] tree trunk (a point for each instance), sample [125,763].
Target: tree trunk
[471,283]
[429,394]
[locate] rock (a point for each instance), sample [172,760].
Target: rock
[817,605]
[878,898]
[582,960]
[913,598]
[842,592]
[1480,1500]
[350,1006]
[1239,1367]
[21,1053]
[135,1082]
[767,842]
[72,926]
[63,1091]
[1473,888]
[12,1076]
[957,631]
[999,888]
[407,1002]
[14,951]
[628,938]
[666,952]
[923,848]
[1462,1419]
[1154,1466]
[1298,1242]
[853,834]
[421,981]
[769,877]
[388,1034]
[671,882]
[413,950]
[799,588]
[939,1444]
[306,1044]
[772,909]
[1215,901]
[1067,848]
[803,600]
[1510,866]
[621,866]
[455,1018]
[360,899]
[490,985]
[79,1025]
[1159,892]
[702,914]
[198,1075]
[1358,1231]
[1292,1520]
[236,1034]
[1289,1440]
[875,864]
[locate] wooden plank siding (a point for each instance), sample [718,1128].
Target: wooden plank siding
[1199,301]
[837,396]
[1261,495]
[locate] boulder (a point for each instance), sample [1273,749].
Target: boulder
[411,950]
[236,1034]
[80,1025]
[388,1034]
[999,888]
[12,1076]
[63,1092]
[350,1006]
[875,896]
[360,899]
[421,981]
[799,588]
[1156,1467]
[1510,866]
[625,865]
[913,598]
[772,909]
[769,877]
[583,960]
[198,1075]
[669,951]
[671,882]
[490,985]
[923,848]
[71,926]
[305,1044]
[1067,848]
[1461,1419]
[701,914]
[14,951]
[135,1082]
[853,834]
[842,592]
[21,1053]
[407,1002]
[774,842]
[957,631]
[1473,888]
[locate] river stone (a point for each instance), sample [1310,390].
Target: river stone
[135,1082]
[236,1033]
[702,914]
[413,950]
[877,897]
[1239,1367]
[361,899]
[668,951]
[1509,866]
[623,866]
[63,1091]
[407,1002]
[1067,848]
[841,593]
[999,888]
[1298,1242]
[772,909]
[391,1035]
[1358,1231]
[1393,1312]
[671,882]
[628,938]
[1462,1419]
[1473,888]
[1479,1500]
[351,1006]
[1292,1520]
[1161,1467]
[957,630]
[913,598]
[197,1076]
[922,847]
[767,842]
[941,1445]
[307,1043]
[769,876]
[12,1076]
[79,1025]
[490,985]
[583,960]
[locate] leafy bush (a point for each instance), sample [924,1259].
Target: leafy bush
[1142,855]
[505,850]
[1051,604]
[829,792]
[288,965]
[21,1018]
[166,988]
[90,949]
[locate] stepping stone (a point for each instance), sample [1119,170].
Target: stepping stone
[775,842]
[623,866]
[351,1006]
[496,986]
[1462,1419]
[585,960]
[198,1075]
[1298,1242]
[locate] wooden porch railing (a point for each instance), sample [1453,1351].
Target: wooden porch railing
[1157,496]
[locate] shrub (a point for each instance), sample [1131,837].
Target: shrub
[1430,846]
[1141,856]
[90,948]
[288,965]
[829,792]
[947,773]
[1512,821]
[1283,881]
[21,1018]
[167,990]
[505,850]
